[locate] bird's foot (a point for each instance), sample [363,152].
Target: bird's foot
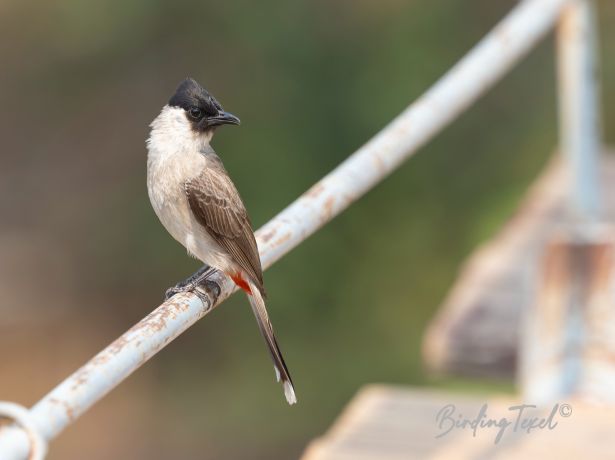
[197,283]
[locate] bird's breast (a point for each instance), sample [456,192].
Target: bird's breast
[166,179]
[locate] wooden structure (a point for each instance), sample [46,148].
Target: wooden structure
[391,423]
[477,330]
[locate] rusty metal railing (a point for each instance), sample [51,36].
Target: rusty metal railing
[482,67]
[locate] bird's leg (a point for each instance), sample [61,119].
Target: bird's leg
[200,279]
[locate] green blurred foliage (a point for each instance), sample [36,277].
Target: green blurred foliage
[311,81]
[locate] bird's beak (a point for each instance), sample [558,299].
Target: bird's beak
[223,118]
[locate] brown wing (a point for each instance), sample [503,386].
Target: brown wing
[217,206]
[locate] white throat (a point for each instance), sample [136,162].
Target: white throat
[172,134]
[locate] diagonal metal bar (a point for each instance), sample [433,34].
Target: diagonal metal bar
[485,64]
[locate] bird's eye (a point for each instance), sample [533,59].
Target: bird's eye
[196,113]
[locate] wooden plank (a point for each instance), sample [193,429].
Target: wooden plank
[394,423]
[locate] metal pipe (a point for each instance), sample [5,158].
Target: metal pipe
[580,126]
[486,63]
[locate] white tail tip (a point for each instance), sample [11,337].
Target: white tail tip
[277,374]
[289,392]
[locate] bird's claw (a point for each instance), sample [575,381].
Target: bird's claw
[177,289]
[211,287]
[199,284]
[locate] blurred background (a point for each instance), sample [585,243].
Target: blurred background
[83,257]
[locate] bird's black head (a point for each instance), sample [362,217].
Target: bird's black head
[202,109]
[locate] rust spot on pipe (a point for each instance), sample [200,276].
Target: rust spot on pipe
[315,191]
[282,239]
[267,236]
[117,346]
[379,164]
[80,379]
[328,208]
[70,413]
[503,35]
[158,322]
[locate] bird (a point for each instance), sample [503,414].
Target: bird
[199,205]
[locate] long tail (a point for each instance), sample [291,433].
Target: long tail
[262,318]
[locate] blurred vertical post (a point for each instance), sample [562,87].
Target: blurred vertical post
[567,349]
[580,127]
[568,336]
